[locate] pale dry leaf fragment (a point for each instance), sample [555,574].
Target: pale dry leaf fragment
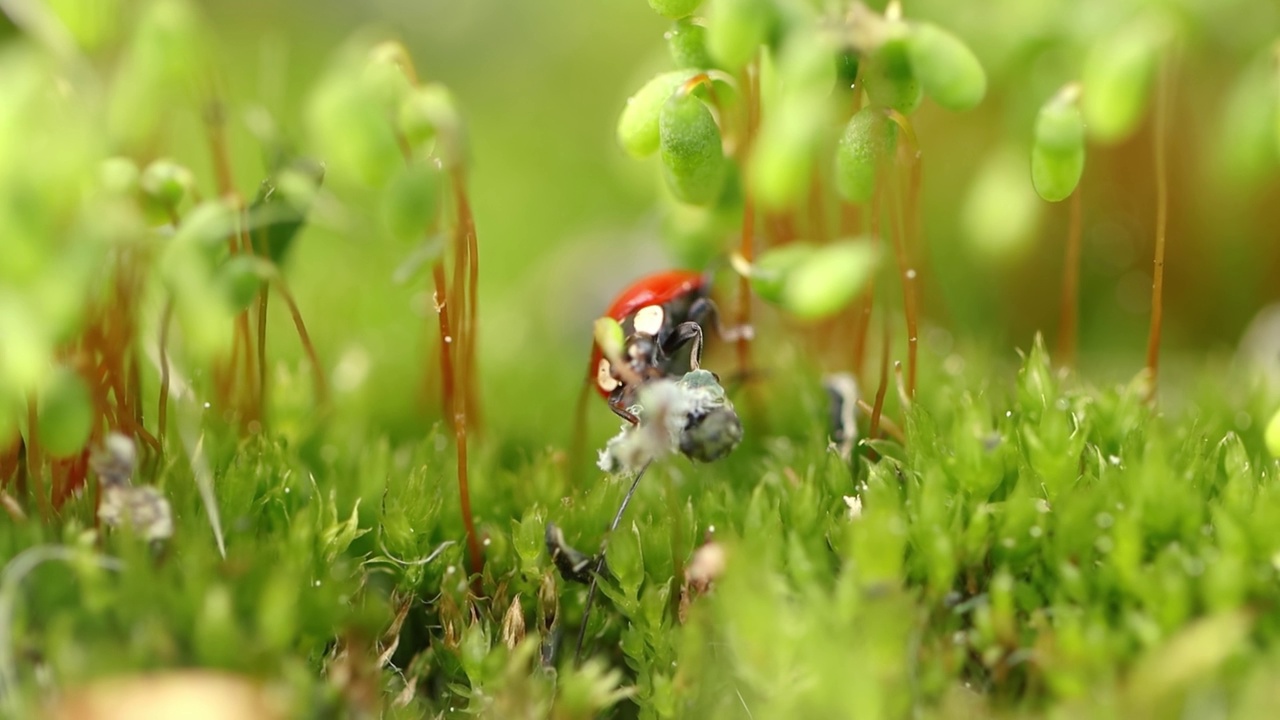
[513,628]
[188,694]
[854,505]
[142,508]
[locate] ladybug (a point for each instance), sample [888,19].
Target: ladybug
[662,315]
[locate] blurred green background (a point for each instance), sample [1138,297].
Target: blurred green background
[565,219]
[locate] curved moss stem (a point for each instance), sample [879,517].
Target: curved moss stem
[1163,91]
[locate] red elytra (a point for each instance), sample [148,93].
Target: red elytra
[656,289]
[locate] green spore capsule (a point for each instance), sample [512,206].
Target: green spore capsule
[674,8]
[1057,153]
[847,69]
[890,80]
[240,279]
[1117,77]
[687,42]
[349,129]
[411,201]
[427,111]
[771,271]
[638,124]
[65,413]
[689,144]
[385,76]
[164,184]
[830,278]
[869,139]
[737,28]
[948,70]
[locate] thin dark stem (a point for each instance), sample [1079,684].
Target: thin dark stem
[457,415]
[889,427]
[1070,287]
[883,387]
[317,370]
[467,227]
[1163,91]
[591,589]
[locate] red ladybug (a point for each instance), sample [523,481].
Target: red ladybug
[661,315]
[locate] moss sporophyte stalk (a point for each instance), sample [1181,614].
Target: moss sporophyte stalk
[273,445]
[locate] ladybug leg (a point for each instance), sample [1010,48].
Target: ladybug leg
[705,312]
[685,332]
[619,409]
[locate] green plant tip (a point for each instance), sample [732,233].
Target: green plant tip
[426,111]
[771,271]
[948,70]
[869,139]
[240,278]
[1058,150]
[165,183]
[1273,435]
[609,337]
[638,124]
[687,43]
[693,159]
[65,413]
[737,28]
[674,8]
[830,278]
[1117,78]
[890,80]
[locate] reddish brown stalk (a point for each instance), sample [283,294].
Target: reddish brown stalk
[467,227]
[441,304]
[883,387]
[903,216]
[1163,91]
[456,411]
[456,309]
[317,370]
[889,427]
[1070,287]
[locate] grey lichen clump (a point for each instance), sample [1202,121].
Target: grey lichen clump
[691,415]
[142,507]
